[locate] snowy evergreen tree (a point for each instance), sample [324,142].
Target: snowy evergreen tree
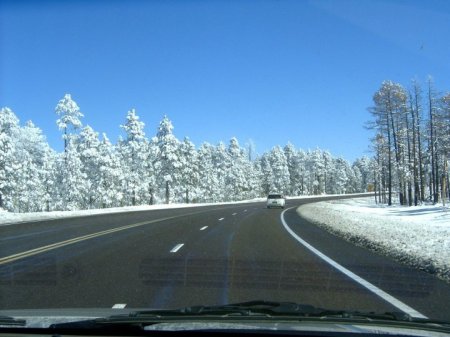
[208,178]
[9,132]
[316,168]
[341,176]
[222,163]
[279,165]
[72,180]
[365,166]
[88,150]
[188,186]
[328,170]
[34,177]
[70,115]
[110,175]
[168,160]
[267,176]
[293,166]
[238,173]
[133,155]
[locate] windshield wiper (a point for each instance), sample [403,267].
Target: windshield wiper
[260,310]
[252,308]
[6,321]
[271,309]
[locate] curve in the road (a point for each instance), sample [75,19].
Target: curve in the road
[372,288]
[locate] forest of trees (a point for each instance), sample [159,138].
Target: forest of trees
[411,143]
[91,172]
[411,147]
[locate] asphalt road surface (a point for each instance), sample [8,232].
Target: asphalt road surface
[204,255]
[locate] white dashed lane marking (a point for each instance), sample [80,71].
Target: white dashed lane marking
[234,214]
[119,306]
[203,228]
[221,219]
[177,248]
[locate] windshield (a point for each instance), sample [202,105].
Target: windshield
[141,140]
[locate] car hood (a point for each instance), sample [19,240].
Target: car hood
[44,318]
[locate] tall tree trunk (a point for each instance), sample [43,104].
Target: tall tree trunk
[150,191]
[65,139]
[408,140]
[389,170]
[432,146]
[438,180]
[167,192]
[421,169]
[444,184]
[431,185]
[418,120]
[414,154]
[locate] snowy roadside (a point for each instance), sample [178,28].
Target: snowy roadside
[7,218]
[417,236]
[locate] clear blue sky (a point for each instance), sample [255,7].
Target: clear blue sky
[270,71]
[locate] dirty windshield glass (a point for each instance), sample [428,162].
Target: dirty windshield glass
[140,142]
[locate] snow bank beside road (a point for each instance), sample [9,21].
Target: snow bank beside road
[418,236]
[7,218]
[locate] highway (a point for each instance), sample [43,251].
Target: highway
[204,255]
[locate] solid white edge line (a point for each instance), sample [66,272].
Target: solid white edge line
[374,289]
[177,248]
[119,306]
[203,228]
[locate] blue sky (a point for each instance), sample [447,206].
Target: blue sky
[270,71]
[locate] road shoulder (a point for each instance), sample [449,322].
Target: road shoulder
[416,237]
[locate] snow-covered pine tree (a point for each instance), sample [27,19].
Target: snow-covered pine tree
[237,175]
[267,176]
[316,169]
[70,116]
[88,150]
[208,181]
[133,155]
[110,175]
[9,131]
[292,162]
[187,189]
[222,163]
[73,187]
[168,172]
[35,170]
[341,176]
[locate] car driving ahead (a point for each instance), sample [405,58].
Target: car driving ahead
[275,200]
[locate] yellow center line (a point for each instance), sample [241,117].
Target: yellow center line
[15,257]
[43,249]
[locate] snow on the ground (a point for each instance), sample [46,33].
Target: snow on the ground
[7,218]
[418,236]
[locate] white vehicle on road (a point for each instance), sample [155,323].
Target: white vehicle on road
[275,200]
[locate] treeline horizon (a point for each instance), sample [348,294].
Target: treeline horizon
[91,172]
[411,146]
